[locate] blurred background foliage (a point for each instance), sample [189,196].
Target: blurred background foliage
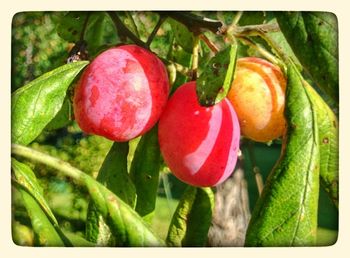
[40,45]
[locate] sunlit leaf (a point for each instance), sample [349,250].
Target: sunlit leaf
[36,104]
[286,212]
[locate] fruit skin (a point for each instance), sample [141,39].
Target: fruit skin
[199,144]
[121,94]
[258,96]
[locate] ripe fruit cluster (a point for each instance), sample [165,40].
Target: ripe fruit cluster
[124,92]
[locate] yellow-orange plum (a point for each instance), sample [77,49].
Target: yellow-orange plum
[258,96]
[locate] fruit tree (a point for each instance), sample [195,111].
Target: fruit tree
[126,125]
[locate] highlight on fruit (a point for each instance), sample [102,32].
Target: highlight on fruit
[199,144]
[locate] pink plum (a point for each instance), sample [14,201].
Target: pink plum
[121,94]
[199,144]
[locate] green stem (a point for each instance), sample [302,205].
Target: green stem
[261,50]
[46,159]
[195,58]
[180,68]
[253,30]
[237,17]
[256,169]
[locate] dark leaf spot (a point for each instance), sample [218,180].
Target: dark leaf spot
[325,140]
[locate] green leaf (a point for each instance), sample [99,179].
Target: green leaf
[286,212]
[114,175]
[78,240]
[215,81]
[313,37]
[125,223]
[183,36]
[36,104]
[328,142]
[127,226]
[128,20]
[71,26]
[144,172]
[45,226]
[100,31]
[280,41]
[179,55]
[192,218]
[144,21]
[162,43]
[63,117]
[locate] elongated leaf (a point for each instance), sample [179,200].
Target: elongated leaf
[114,175]
[44,232]
[144,172]
[78,240]
[36,104]
[286,213]
[127,226]
[128,20]
[192,218]
[329,145]
[183,36]
[44,223]
[215,81]
[313,37]
[26,177]
[120,217]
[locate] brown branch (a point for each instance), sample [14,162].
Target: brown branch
[208,42]
[193,22]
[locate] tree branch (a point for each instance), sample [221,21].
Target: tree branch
[193,22]
[155,30]
[123,30]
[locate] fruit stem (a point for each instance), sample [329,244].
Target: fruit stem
[209,43]
[180,68]
[195,58]
[256,169]
[261,50]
